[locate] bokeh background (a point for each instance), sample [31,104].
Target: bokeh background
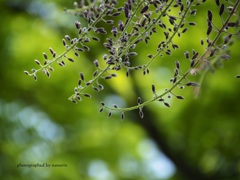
[197,138]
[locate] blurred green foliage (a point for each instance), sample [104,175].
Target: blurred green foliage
[39,124]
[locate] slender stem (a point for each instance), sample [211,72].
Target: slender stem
[54,60]
[226,22]
[92,81]
[69,48]
[146,30]
[170,39]
[184,76]
[130,20]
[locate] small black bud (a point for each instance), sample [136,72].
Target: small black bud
[122,115]
[87,95]
[71,60]
[96,63]
[166,104]
[179,97]
[26,72]
[144,9]
[81,76]
[77,24]
[177,64]
[221,10]
[45,56]
[153,89]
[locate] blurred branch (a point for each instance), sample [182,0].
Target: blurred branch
[151,125]
[16,7]
[156,133]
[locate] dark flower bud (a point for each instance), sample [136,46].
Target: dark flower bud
[210,16]
[133,46]
[132,54]
[120,25]
[52,51]
[226,39]
[89,83]
[150,55]
[177,64]
[71,60]
[45,56]
[96,89]
[86,40]
[186,54]
[37,62]
[35,77]
[193,12]
[80,49]
[122,115]
[143,22]
[230,8]
[26,72]
[114,31]
[101,86]
[108,77]
[166,104]
[86,47]
[64,42]
[221,10]
[96,63]
[153,89]
[109,21]
[87,95]
[77,24]
[67,37]
[192,23]
[116,14]
[82,76]
[176,72]
[231,24]
[192,63]
[126,11]
[184,30]
[60,64]
[195,56]
[95,39]
[192,84]
[179,97]
[137,41]
[95,73]
[144,9]
[175,46]
[209,30]
[47,73]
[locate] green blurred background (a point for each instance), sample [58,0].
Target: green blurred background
[198,138]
